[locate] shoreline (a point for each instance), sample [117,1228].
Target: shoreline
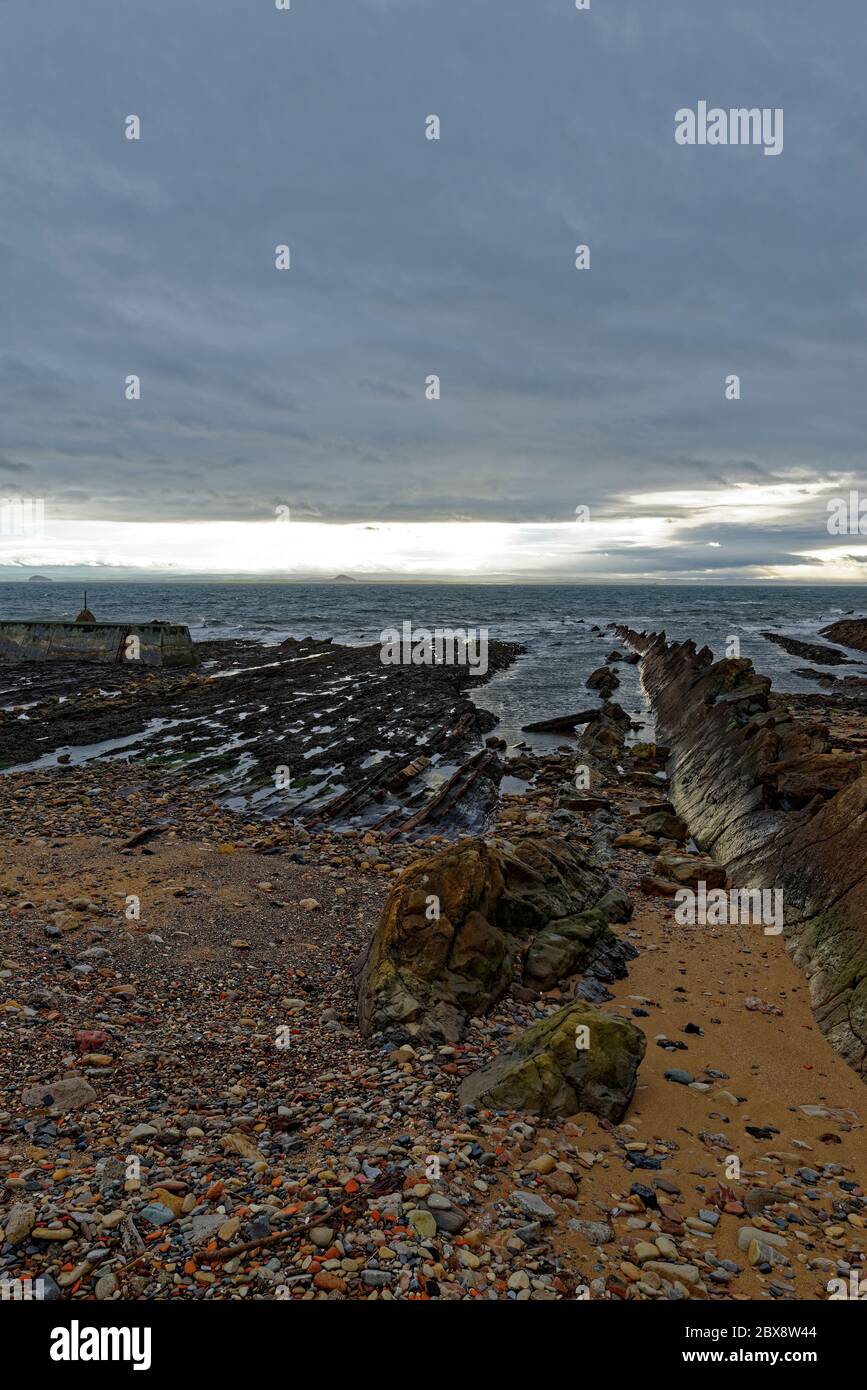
[247,927]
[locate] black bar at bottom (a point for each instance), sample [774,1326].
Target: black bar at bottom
[223,1336]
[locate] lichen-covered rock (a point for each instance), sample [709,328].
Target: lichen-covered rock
[616,904]
[444,948]
[544,880]
[545,1073]
[563,947]
[436,956]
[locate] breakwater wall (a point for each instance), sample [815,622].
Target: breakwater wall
[147,644]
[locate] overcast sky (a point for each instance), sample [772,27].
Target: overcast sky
[560,388]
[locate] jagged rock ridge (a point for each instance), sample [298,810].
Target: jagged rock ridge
[770,798]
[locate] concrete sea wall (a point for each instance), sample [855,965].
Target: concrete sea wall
[147,644]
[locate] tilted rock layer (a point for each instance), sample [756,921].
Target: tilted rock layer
[768,796]
[852,632]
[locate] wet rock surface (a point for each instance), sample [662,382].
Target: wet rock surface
[811,651]
[335,722]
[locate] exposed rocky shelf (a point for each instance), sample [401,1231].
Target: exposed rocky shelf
[352,736]
[852,632]
[811,651]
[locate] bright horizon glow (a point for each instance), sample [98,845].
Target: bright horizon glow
[620,547]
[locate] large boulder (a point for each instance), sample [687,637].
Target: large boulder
[546,1073]
[445,945]
[565,946]
[436,956]
[544,879]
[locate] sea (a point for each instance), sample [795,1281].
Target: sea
[554,622]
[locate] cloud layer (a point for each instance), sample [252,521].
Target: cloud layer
[454,257]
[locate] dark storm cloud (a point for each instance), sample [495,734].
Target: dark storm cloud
[412,257]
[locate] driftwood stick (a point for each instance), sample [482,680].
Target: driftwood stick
[209,1257]
[368,1190]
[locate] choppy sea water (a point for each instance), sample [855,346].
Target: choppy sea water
[554,623]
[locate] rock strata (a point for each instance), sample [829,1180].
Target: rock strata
[769,797]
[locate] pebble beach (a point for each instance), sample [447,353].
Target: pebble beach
[190,1111]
